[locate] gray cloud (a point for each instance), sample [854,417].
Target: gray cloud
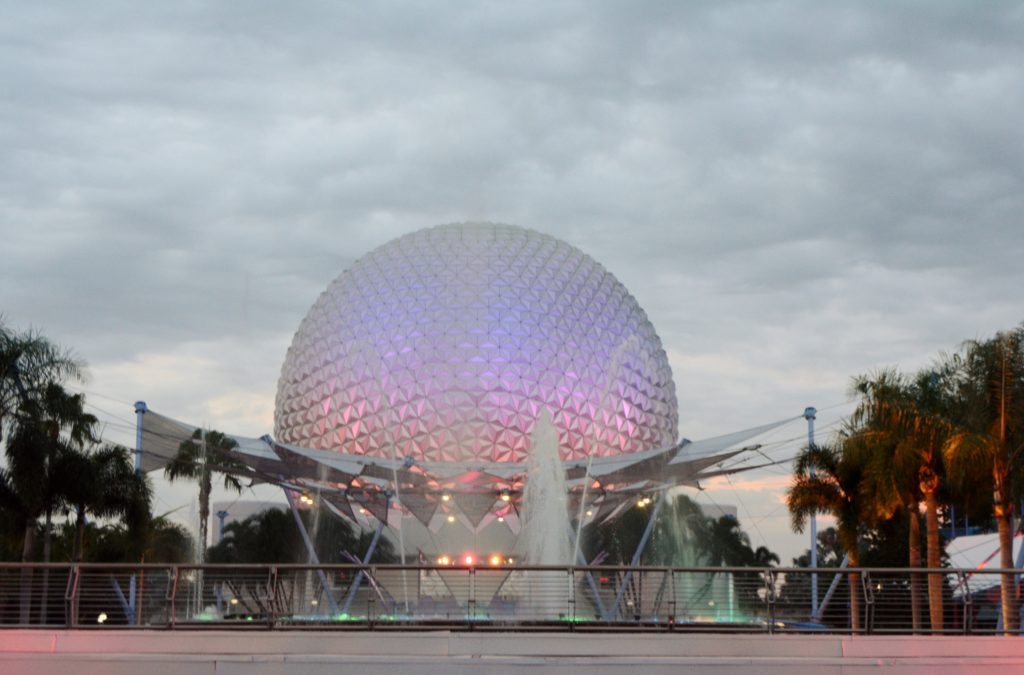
[795,191]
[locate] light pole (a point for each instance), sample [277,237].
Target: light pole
[809,415]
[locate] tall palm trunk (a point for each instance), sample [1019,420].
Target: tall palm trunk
[855,590]
[79,534]
[934,561]
[47,550]
[914,560]
[1008,582]
[205,487]
[28,552]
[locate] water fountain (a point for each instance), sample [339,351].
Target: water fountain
[545,533]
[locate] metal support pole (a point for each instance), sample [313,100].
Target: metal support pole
[810,414]
[221,515]
[831,589]
[126,608]
[636,557]
[358,581]
[312,551]
[140,410]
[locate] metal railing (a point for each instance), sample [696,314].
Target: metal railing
[507,597]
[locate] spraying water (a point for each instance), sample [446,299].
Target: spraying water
[613,368]
[545,516]
[545,533]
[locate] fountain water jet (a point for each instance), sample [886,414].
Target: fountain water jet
[545,533]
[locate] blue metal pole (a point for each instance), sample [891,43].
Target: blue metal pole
[221,515]
[140,410]
[809,414]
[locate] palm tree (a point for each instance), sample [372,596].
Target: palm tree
[28,362]
[990,391]
[103,483]
[900,426]
[836,487]
[727,544]
[166,542]
[49,424]
[197,459]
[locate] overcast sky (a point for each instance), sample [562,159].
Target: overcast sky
[796,192]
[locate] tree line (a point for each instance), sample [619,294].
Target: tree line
[65,495]
[950,436]
[56,465]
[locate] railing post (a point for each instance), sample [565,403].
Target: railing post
[272,585]
[370,601]
[967,602]
[571,609]
[869,602]
[471,603]
[71,598]
[671,599]
[173,593]
[769,600]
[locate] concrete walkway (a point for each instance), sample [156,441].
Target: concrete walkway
[116,652]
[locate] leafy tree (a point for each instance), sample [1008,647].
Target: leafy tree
[830,551]
[835,486]
[50,425]
[793,601]
[39,421]
[271,536]
[103,483]
[166,542]
[198,458]
[28,363]
[988,446]
[899,429]
[683,536]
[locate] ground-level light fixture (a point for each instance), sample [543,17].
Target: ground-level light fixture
[451,519]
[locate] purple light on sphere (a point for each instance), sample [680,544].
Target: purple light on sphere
[445,344]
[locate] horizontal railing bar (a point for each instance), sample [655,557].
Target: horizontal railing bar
[517,597]
[513,567]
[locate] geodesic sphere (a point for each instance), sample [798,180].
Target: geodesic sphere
[443,345]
